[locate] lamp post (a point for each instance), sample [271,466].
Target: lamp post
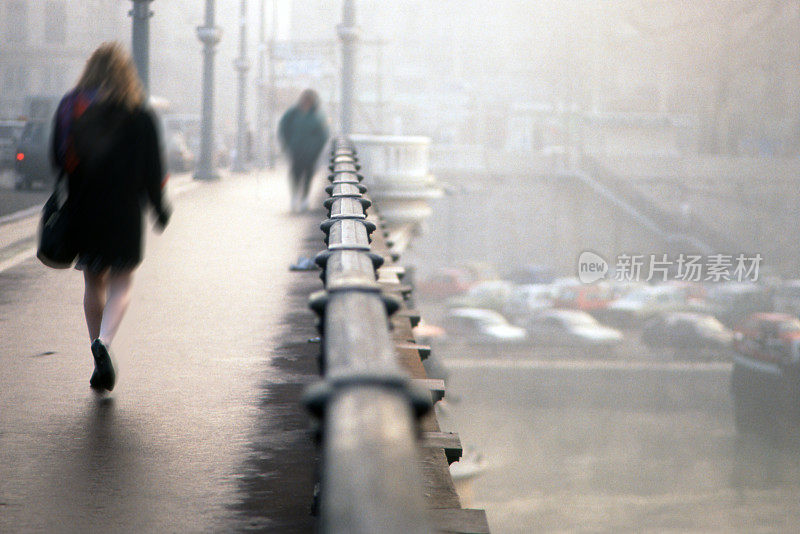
[140,39]
[348,35]
[209,35]
[260,139]
[271,151]
[242,65]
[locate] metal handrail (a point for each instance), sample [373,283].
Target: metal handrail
[347,234]
[370,476]
[346,178]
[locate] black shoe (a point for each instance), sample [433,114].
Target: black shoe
[104,375]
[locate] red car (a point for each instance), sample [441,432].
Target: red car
[765,382]
[584,297]
[445,283]
[767,337]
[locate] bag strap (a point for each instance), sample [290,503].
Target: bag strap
[62,181]
[62,176]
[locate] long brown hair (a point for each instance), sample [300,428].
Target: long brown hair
[111,72]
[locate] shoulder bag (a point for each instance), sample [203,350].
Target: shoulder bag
[57,244]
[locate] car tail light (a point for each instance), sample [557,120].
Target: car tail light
[20,156]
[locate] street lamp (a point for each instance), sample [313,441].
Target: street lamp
[271,96]
[261,88]
[348,35]
[140,39]
[209,35]
[241,64]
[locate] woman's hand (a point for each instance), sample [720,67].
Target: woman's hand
[163,218]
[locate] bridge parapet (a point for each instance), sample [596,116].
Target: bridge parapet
[374,400]
[399,180]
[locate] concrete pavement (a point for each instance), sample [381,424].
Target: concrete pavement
[12,201]
[203,432]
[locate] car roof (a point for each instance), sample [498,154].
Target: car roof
[494,283]
[561,312]
[688,316]
[684,315]
[477,313]
[666,288]
[737,287]
[533,288]
[772,317]
[566,282]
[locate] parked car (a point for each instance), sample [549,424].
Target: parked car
[426,333]
[732,302]
[470,465]
[489,294]
[179,157]
[645,302]
[767,337]
[787,298]
[531,274]
[570,328]
[695,292]
[585,297]
[765,382]
[10,133]
[445,283]
[480,325]
[686,330]
[33,164]
[526,300]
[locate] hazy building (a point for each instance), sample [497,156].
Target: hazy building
[450,65]
[45,43]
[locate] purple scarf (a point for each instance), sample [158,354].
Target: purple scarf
[71,107]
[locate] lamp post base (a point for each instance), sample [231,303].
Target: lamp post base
[206,176]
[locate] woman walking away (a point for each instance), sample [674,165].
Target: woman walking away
[105,141]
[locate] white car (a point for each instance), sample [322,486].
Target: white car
[476,324]
[570,328]
[528,299]
[645,302]
[488,294]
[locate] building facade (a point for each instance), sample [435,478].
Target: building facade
[44,45]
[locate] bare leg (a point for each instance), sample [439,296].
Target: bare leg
[94,301]
[119,296]
[294,185]
[306,175]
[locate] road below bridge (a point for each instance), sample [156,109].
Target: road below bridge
[614,446]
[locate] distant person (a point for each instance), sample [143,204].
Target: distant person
[106,142]
[303,133]
[685,209]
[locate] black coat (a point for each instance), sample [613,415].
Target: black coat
[119,171]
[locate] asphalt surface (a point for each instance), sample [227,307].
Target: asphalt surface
[12,201]
[204,431]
